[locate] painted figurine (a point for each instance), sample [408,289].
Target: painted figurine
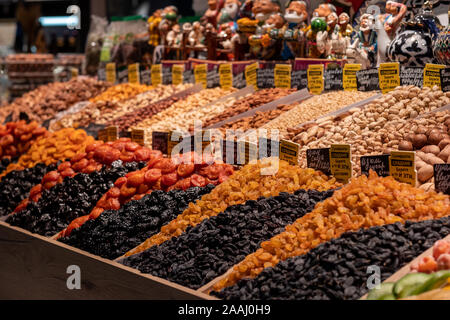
[395,12]
[212,12]
[367,40]
[229,12]
[153,23]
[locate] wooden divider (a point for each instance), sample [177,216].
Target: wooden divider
[35,267]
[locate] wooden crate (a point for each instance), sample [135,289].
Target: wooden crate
[35,267]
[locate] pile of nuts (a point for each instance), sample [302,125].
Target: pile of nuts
[364,202]
[429,136]
[258,120]
[59,145]
[44,102]
[172,117]
[372,129]
[315,107]
[16,137]
[121,92]
[104,111]
[264,178]
[255,100]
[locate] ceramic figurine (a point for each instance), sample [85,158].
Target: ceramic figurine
[316,37]
[212,12]
[196,36]
[174,37]
[153,23]
[395,12]
[345,29]
[169,19]
[412,46]
[229,12]
[324,10]
[441,48]
[293,33]
[366,42]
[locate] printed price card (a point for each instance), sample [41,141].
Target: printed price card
[112,133]
[138,136]
[200,74]
[289,152]
[133,73]
[102,135]
[251,75]
[389,76]
[111,72]
[226,75]
[315,78]
[340,164]
[402,166]
[282,76]
[156,74]
[349,76]
[432,75]
[319,159]
[177,74]
[74,72]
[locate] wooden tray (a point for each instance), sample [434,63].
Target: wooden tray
[35,267]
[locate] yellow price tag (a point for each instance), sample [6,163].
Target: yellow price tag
[133,73]
[349,76]
[226,75]
[340,163]
[111,72]
[156,74]
[74,72]
[200,73]
[315,78]
[251,75]
[432,75]
[389,76]
[282,76]
[402,166]
[177,74]
[289,152]
[138,136]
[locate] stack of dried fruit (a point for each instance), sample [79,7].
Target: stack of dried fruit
[209,249]
[16,137]
[166,174]
[92,159]
[439,260]
[267,177]
[364,202]
[44,102]
[115,232]
[172,118]
[16,185]
[121,92]
[338,269]
[59,145]
[66,201]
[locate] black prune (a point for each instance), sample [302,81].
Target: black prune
[115,232]
[16,185]
[310,277]
[74,197]
[209,249]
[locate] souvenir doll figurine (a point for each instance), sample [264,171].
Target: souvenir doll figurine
[212,12]
[366,39]
[229,12]
[345,29]
[317,36]
[153,23]
[292,33]
[395,12]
